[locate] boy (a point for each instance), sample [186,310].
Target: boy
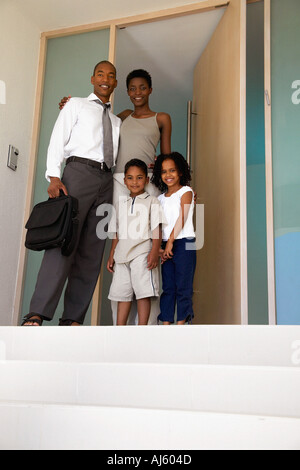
[134,253]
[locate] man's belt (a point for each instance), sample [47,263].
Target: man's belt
[100,166]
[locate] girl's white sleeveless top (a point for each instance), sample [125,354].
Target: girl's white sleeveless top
[171,206]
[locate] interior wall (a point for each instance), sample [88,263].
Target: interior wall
[256,178]
[19,48]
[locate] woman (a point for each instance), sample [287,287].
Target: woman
[141,132]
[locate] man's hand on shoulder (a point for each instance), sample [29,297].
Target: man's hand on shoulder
[55,186]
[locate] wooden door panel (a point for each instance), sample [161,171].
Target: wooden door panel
[219,156]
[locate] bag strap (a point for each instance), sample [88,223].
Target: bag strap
[69,245]
[66,250]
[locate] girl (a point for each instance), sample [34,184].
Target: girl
[172,176]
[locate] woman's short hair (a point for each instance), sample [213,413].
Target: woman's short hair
[139,73]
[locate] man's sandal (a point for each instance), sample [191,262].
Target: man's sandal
[31,319]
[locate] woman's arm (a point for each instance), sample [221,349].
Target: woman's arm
[165,126]
[185,205]
[124,114]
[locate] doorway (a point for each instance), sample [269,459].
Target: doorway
[171,51]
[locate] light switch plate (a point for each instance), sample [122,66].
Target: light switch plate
[13,154]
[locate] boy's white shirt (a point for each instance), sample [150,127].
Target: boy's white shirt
[78,131]
[135,221]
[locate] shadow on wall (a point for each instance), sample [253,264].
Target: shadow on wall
[2,92]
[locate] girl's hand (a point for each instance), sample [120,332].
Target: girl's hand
[161,255]
[64,101]
[168,253]
[110,264]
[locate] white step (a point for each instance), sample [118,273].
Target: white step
[49,427]
[231,345]
[268,391]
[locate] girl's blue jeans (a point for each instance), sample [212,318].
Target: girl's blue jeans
[177,282]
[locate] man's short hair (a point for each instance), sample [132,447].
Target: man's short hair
[104,62]
[136,162]
[140,73]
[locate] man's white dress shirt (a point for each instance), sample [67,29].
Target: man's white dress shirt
[78,132]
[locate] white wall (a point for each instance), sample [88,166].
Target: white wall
[19,47]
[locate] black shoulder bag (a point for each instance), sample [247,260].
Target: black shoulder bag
[53,224]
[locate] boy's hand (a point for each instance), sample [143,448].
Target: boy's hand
[110,264]
[64,101]
[152,260]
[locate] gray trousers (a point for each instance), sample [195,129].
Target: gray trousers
[92,188]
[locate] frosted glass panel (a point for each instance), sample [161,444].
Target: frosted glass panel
[69,67]
[256,178]
[285,23]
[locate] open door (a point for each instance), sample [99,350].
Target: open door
[219,172]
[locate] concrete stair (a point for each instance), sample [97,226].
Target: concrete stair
[194,387]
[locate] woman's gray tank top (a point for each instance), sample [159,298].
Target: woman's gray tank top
[138,139]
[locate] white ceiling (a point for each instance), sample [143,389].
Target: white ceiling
[169,50]
[55,14]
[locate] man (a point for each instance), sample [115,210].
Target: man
[86,137]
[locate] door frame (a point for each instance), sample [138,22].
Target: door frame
[269,170]
[112,25]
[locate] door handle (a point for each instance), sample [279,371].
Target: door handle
[190,114]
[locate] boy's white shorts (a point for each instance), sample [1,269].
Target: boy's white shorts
[134,279]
